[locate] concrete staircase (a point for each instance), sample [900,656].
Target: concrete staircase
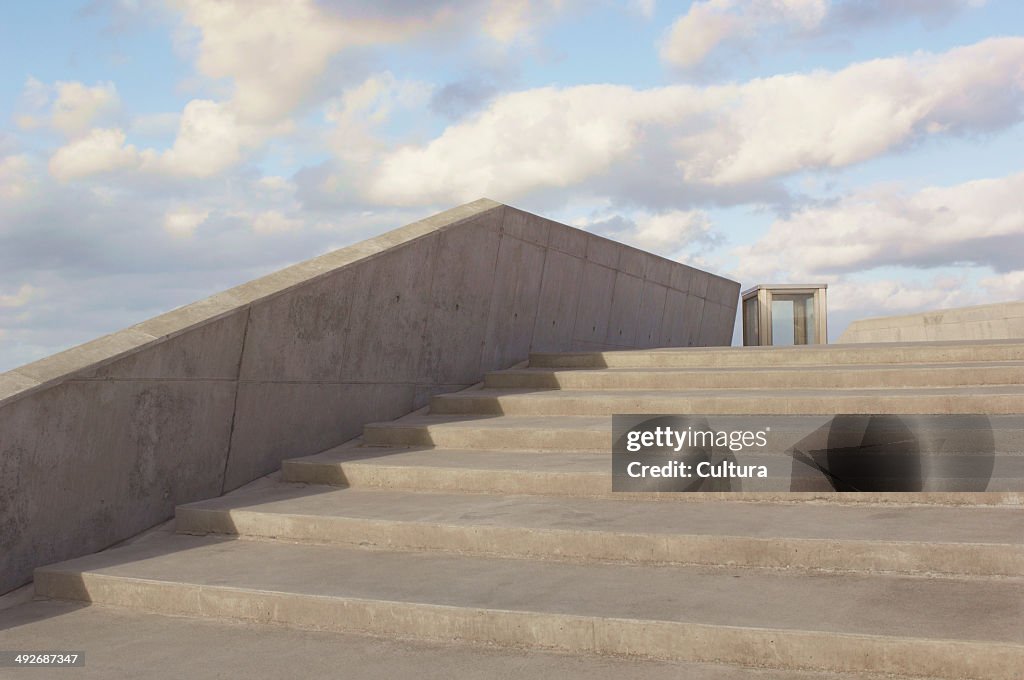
[491,519]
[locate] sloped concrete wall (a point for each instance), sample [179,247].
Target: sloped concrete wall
[103,441]
[999,321]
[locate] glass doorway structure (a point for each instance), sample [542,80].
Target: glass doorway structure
[785,314]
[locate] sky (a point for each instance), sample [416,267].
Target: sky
[155,152]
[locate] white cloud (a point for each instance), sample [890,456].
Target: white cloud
[774,126]
[891,296]
[274,52]
[77,107]
[274,222]
[100,151]
[668,233]
[156,123]
[715,136]
[714,25]
[978,223]
[360,110]
[271,51]
[210,139]
[74,108]
[15,179]
[18,299]
[184,221]
[507,21]
[709,23]
[1007,286]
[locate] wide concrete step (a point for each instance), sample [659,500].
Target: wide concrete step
[951,541]
[949,628]
[807,355]
[555,432]
[799,377]
[120,642]
[1002,399]
[584,474]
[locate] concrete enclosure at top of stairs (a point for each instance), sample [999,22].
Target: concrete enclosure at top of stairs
[102,441]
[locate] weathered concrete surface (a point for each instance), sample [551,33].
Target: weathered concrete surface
[934,627]
[102,441]
[126,643]
[935,540]
[563,473]
[981,322]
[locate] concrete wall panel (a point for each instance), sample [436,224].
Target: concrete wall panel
[209,351]
[389,308]
[693,311]
[460,303]
[526,226]
[673,324]
[680,278]
[513,309]
[633,262]
[90,462]
[659,270]
[102,441]
[625,311]
[722,291]
[273,420]
[560,293]
[568,240]
[602,251]
[595,303]
[651,315]
[1001,321]
[699,282]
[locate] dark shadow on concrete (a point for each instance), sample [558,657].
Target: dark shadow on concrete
[897,453]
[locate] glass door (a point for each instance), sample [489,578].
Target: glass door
[793,319]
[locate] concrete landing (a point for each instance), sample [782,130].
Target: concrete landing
[877,623]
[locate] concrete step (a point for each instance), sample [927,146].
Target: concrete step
[799,377]
[940,627]
[594,432]
[584,433]
[1003,399]
[120,642]
[812,355]
[556,473]
[951,541]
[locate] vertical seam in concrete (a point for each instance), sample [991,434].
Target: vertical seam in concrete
[660,329]
[234,405]
[579,301]
[540,296]
[490,293]
[700,323]
[664,313]
[576,311]
[421,362]
[611,304]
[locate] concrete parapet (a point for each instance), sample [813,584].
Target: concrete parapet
[1004,320]
[102,441]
